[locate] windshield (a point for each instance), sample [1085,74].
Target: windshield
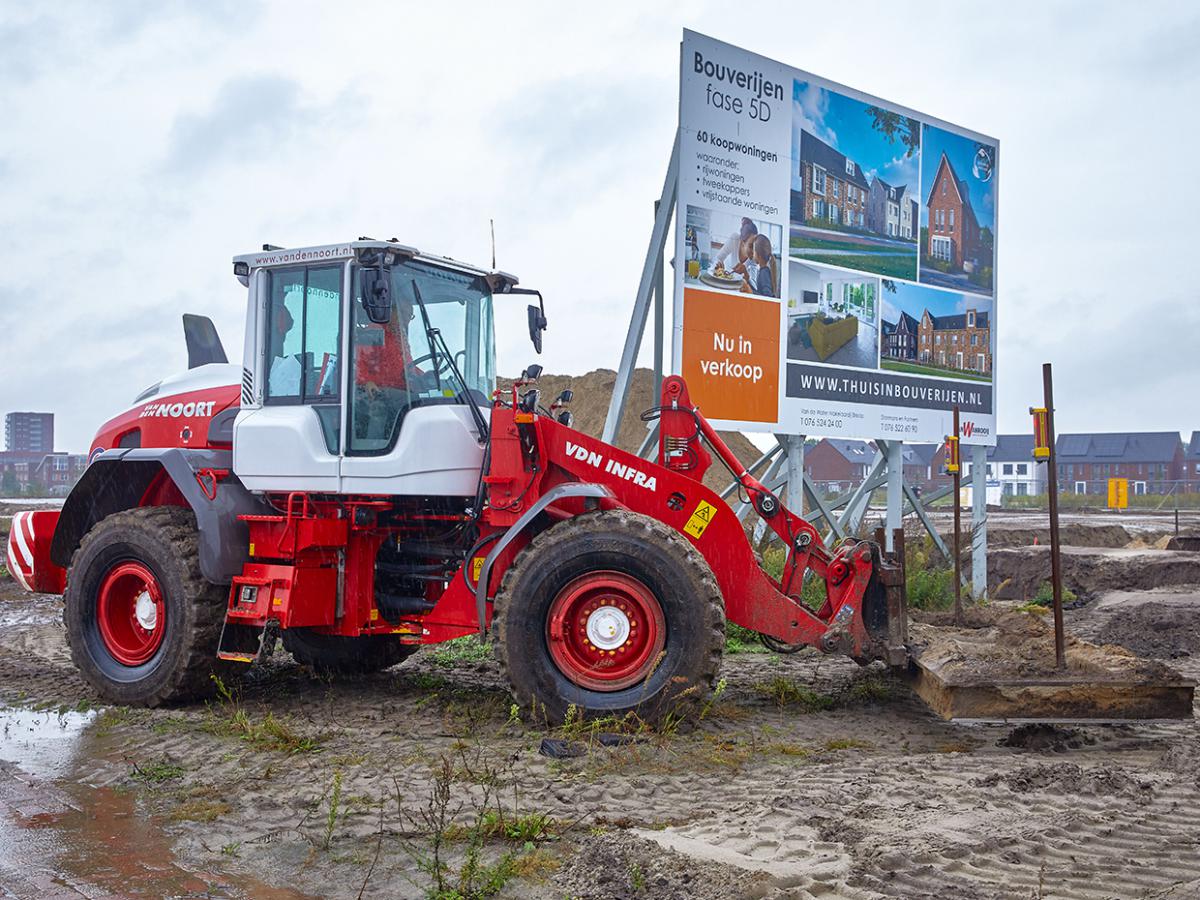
[396,367]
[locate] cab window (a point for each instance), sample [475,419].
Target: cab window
[304,332]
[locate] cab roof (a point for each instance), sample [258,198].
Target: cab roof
[281,256]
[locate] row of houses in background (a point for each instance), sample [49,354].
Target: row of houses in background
[834,190]
[1153,462]
[29,463]
[962,341]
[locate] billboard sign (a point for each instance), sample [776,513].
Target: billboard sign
[835,256]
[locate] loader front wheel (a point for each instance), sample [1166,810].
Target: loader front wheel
[335,654]
[609,613]
[141,621]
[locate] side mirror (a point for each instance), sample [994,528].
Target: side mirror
[377,294]
[537,324]
[532,373]
[565,397]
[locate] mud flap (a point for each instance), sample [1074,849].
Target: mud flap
[885,607]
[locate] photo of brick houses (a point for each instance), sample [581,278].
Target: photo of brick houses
[927,331]
[854,184]
[957,231]
[892,210]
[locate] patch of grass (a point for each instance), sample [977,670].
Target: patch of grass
[156,772]
[785,692]
[930,588]
[228,718]
[1045,595]
[742,640]
[637,878]
[537,865]
[892,365]
[232,849]
[469,649]
[870,690]
[334,804]
[200,810]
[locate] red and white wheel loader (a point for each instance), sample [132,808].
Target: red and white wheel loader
[358,488]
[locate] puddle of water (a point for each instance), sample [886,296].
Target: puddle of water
[40,742]
[61,837]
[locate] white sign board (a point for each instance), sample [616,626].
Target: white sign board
[835,258]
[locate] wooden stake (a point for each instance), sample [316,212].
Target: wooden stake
[1060,656]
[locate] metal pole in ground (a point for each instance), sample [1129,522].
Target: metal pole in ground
[957,531]
[1060,658]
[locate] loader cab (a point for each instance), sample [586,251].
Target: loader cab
[361,365]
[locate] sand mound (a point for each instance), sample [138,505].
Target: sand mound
[1157,630]
[1005,645]
[1067,779]
[1041,737]
[590,407]
[1016,573]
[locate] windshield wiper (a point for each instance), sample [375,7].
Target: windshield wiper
[434,336]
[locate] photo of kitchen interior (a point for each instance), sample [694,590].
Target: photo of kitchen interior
[833,316]
[729,252]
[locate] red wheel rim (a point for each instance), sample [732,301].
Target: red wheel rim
[606,631]
[131,613]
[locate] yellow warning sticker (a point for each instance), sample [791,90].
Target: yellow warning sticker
[374,615]
[477,567]
[700,519]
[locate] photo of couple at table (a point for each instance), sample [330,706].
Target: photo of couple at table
[732,253]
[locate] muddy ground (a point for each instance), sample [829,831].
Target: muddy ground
[808,777]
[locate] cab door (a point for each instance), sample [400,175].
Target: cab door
[288,436]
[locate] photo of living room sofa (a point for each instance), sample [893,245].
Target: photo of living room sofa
[833,316]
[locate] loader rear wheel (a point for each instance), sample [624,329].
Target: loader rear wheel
[141,621]
[335,654]
[610,612]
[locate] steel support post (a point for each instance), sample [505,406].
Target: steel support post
[979,522]
[895,491]
[641,305]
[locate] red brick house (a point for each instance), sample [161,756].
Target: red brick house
[834,189]
[835,465]
[962,341]
[954,234]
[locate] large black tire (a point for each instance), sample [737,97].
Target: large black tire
[334,654]
[657,557]
[164,540]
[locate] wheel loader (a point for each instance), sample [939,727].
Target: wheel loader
[358,488]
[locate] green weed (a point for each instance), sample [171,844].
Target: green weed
[469,649]
[156,772]
[230,719]
[785,692]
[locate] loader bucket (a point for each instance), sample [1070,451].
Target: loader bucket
[885,606]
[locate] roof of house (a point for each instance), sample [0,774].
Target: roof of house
[815,150]
[959,183]
[957,322]
[1012,448]
[858,452]
[1193,448]
[889,327]
[920,454]
[911,323]
[1146,446]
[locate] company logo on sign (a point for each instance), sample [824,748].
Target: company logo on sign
[970,428]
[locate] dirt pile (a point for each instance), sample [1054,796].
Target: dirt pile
[1068,780]
[1072,534]
[997,645]
[616,865]
[1040,737]
[1017,573]
[1156,630]
[590,408]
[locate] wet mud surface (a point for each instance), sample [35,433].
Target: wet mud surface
[808,777]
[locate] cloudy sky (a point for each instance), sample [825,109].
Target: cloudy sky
[146,143]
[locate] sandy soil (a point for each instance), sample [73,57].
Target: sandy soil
[809,777]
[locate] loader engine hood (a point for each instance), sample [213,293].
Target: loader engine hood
[193,409]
